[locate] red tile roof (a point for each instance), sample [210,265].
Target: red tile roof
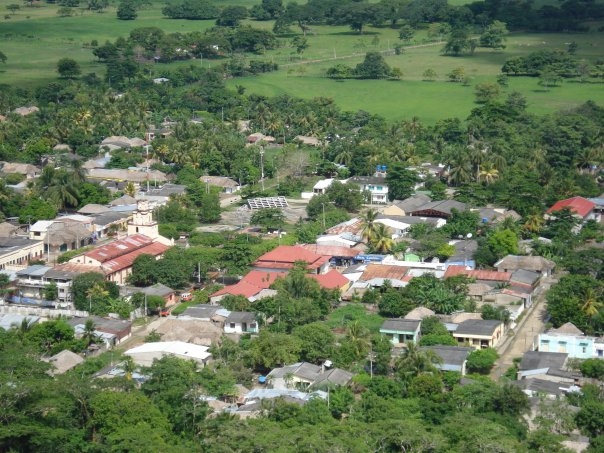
[578,205]
[121,247]
[332,280]
[241,288]
[284,257]
[332,250]
[126,261]
[262,279]
[455,270]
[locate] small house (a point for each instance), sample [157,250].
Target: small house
[479,333]
[401,331]
[241,322]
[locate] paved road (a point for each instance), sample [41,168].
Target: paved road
[529,327]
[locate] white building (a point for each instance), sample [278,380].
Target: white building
[145,354]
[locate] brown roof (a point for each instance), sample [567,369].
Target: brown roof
[126,261]
[332,250]
[219,181]
[529,263]
[568,328]
[118,248]
[455,270]
[284,257]
[385,271]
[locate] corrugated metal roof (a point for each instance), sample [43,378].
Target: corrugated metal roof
[578,205]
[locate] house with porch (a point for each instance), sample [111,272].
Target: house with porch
[479,333]
[401,331]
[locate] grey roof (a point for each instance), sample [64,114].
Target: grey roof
[92,208]
[315,374]
[482,327]
[241,316]
[106,218]
[540,386]
[9,245]
[168,189]
[201,311]
[401,325]
[451,355]
[123,200]
[413,202]
[524,276]
[60,274]
[535,360]
[464,250]
[37,270]
[7,320]
[108,325]
[361,180]
[444,206]
[155,290]
[335,376]
[354,269]
[409,219]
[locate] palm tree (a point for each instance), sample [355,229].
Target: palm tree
[129,367]
[78,171]
[63,190]
[591,305]
[382,241]
[369,226]
[358,337]
[89,335]
[344,157]
[130,189]
[416,361]
[488,174]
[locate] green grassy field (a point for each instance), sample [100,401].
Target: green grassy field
[35,38]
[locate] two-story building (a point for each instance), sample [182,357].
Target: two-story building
[479,333]
[376,186]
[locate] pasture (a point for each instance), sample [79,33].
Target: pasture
[35,38]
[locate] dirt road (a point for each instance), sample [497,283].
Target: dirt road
[529,327]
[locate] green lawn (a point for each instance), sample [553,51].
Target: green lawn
[35,38]
[342,316]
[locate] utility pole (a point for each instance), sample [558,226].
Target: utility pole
[262,167]
[147,150]
[323,205]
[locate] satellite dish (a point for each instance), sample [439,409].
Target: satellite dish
[469,235]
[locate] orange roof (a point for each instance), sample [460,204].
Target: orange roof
[455,270]
[284,257]
[241,288]
[578,205]
[121,247]
[332,250]
[332,280]
[261,279]
[126,261]
[386,271]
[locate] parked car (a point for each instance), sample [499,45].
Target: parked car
[185,297]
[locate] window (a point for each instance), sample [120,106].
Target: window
[232,325]
[583,349]
[380,188]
